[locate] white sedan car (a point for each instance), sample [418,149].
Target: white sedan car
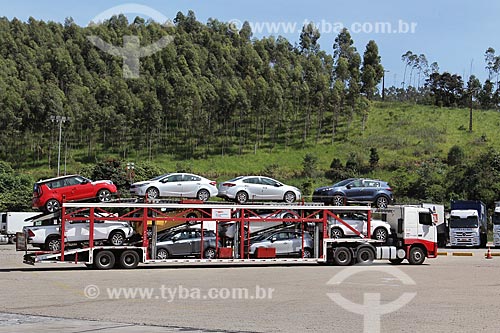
[379,229]
[257,188]
[177,185]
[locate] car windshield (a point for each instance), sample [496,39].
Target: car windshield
[343,183]
[469,222]
[159,177]
[496,218]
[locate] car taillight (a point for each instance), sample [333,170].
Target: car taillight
[31,233]
[213,183]
[228,184]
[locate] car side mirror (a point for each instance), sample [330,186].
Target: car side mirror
[84,182]
[273,239]
[349,187]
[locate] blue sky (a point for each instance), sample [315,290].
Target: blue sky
[455,34]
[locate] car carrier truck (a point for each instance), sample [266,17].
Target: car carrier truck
[468,223]
[414,238]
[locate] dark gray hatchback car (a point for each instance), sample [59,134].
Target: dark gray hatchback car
[185,243]
[359,190]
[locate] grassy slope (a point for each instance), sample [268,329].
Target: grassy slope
[403,134]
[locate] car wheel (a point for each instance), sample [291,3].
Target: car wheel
[380,234]
[365,256]
[338,200]
[203,195]
[336,233]
[382,202]
[241,197]
[129,259]
[116,238]
[342,256]
[192,216]
[162,254]
[307,253]
[289,197]
[52,205]
[417,256]
[288,216]
[152,193]
[104,260]
[103,195]
[209,253]
[53,243]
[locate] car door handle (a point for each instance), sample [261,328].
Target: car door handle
[420,235]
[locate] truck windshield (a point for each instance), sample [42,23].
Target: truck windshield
[496,218]
[469,222]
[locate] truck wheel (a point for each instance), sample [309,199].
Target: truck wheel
[209,253]
[116,238]
[241,197]
[365,256]
[104,260]
[52,205]
[103,195]
[129,259]
[53,243]
[417,256]
[342,256]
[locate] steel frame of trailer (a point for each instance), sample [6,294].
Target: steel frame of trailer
[303,213]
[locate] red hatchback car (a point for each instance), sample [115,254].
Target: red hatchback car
[48,194]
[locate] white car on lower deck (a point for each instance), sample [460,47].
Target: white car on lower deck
[48,237]
[379,229]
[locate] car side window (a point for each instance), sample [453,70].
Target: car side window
[73,181]
[56,184]
[173,178]
[267,181]
[357,183]
[252,180]
[191,178]
[372,184]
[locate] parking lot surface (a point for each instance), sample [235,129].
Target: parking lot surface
[447,294]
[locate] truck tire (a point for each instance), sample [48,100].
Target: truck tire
[365,255]
[342,256]
[129,259]
[417,256]
[104,260]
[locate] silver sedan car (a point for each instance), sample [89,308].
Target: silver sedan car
[178,185]
[257,188]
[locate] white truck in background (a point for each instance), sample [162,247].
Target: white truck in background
[496,224]
[12,222]
[468,223]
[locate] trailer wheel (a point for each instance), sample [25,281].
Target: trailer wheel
[417,256]
[104,260]
[365,256]
[342,256]
[129,259]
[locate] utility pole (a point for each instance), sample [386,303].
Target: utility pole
[60,120]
